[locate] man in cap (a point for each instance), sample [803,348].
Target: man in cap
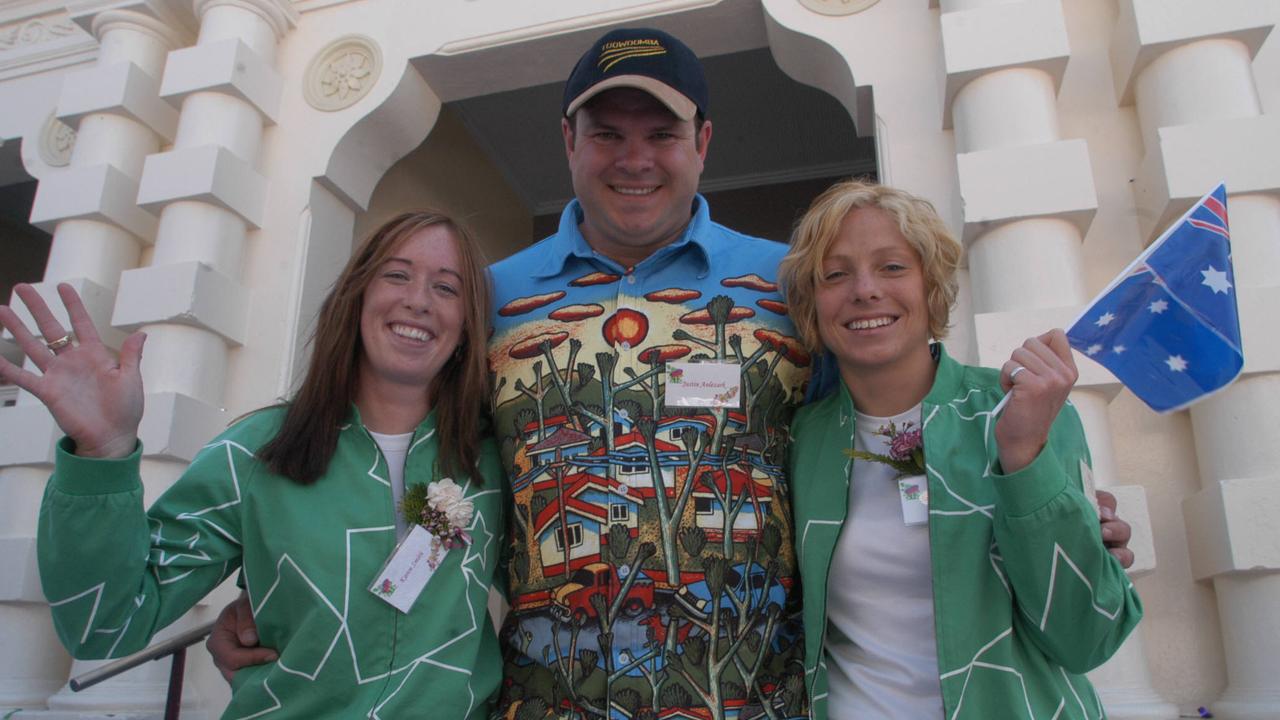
[653,567]
[653,570]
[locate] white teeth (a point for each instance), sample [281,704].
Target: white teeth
[635,191]
[412,333]
[868,324]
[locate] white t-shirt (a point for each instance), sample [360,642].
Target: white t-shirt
[881,648]
[394,449]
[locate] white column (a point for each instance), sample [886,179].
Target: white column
[209,196]
[98,232]
[1029,201]
[1188,68]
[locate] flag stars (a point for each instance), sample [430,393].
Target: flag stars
[1176,363]
[1105,320]
[1119,349]
[1093,349]
[1158,307]
[1215,279]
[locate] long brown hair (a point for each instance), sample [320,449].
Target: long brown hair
[308,436]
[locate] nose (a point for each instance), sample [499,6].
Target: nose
[417,297]
[865,287]
[634,155]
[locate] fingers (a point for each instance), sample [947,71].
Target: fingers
[15,375]
[1106,504]
[1124,555]
[31,347]
[229,655]
[1056,340]
[246,628]
[234,639]
[1046,357]
[46,323]
[131,352]
[1116,533]
[81,323]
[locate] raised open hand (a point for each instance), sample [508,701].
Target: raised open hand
[94,397]
[1038,377]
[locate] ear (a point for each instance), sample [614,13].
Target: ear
[704,139]
[566,129]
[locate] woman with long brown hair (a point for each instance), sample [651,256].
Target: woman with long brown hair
[364,512]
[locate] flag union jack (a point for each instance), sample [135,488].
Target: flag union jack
[1168,327]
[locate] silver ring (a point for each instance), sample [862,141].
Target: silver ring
[1015,372]
[60,343]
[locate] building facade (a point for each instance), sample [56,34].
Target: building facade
[201,168]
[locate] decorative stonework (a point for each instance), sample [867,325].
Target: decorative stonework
[342,73]
[56,141]
[34,32]
[838,7]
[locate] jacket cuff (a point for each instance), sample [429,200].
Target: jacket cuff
[76,475]
[1032,487]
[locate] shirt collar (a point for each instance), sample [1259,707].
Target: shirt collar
[945,382]
[569,242]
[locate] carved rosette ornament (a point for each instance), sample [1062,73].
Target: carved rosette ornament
[345,71]
[34,32]
[56,141]
[838,7]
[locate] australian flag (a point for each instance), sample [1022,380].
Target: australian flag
[1168,326]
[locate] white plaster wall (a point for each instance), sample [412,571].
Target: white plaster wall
[1180,631]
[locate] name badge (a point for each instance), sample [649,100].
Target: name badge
[407,571]
[703,385]
[913,492]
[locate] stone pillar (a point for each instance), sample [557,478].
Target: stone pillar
[1187,67]
[209,196]
[98,232]
[1029,200]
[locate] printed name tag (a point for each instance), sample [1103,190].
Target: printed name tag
[407,571]
[913,492]
[703,385]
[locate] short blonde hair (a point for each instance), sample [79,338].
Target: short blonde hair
[918,222]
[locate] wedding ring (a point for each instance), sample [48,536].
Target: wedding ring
[60,343]
[1015,372]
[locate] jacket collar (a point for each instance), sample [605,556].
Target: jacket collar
[946,382]
[427,426]
[568,242]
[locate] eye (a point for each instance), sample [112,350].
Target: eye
[447,289]
[396,275]
[830,275]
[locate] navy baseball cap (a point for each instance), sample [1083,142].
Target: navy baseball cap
[642,58]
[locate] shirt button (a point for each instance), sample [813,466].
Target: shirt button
[626,345]
[631,279]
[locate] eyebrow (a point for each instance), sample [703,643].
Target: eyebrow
[405,261]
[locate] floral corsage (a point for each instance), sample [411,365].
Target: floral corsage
[441,509]
[906,449]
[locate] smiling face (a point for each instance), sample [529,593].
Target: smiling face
[411,319]
[635,169]
[871,301]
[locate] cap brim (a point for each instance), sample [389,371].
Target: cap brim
[681,106]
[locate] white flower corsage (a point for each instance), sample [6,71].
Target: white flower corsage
[440,508]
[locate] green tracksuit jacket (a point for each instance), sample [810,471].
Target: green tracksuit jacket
[115,574]
[1026,598]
